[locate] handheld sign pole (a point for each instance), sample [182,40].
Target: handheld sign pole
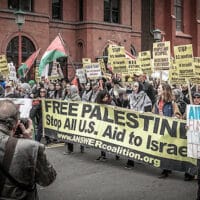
[189,92]
[74,68]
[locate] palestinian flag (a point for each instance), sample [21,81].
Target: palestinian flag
[24,68]
[54,51]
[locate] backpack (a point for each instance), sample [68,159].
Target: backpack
[182,106]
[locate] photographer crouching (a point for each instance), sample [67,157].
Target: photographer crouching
[23,162]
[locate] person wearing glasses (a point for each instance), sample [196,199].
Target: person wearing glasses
[196,98]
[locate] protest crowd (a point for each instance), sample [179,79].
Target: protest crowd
[139,93]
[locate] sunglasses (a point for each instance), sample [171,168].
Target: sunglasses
[42,91]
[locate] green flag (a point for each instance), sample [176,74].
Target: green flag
[54,51]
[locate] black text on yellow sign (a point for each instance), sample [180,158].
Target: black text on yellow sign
[133,133]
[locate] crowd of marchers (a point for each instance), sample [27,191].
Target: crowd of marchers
[141,94]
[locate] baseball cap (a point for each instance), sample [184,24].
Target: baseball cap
[196,94]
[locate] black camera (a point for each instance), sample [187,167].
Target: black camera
[18,131]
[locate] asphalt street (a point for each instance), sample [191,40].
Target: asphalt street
[81,177]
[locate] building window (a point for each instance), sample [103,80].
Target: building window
[105,55]
[12,49]
[27,49]
[57,9]
[133,51]
[81,10]
[25,5]
[80,51]
[178,8]
[112,11]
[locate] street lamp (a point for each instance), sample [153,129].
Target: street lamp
[157,38]
[157,35]
[19,20]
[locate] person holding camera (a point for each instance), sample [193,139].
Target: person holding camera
[23,162]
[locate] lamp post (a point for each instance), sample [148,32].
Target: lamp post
[157,35]
[157,38]
[19,20]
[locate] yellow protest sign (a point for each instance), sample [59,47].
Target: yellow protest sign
[119,65]
[197,65]
[4,70]
[86,60]
[37,77]
[116,52]
[196,78]
[93,71]
[145,62]
[152,139]
[130,67]
[184,60]
[102,65]
[134,67]
[174,75]
[117,58]
[161,55]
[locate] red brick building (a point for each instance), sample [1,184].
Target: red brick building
[86,26]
